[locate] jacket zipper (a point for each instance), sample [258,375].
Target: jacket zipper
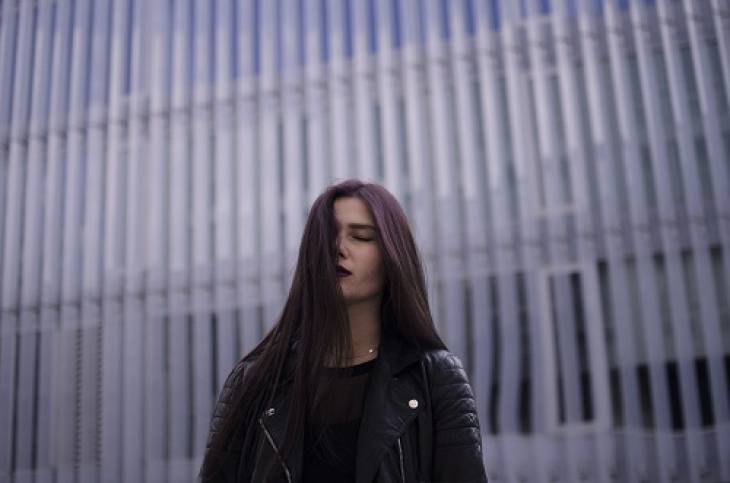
[400,456]
[276,450]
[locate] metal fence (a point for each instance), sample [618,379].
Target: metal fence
[564,164]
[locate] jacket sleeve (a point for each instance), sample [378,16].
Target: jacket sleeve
[223,404]
[457,447]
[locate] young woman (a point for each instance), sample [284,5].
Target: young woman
[353,383]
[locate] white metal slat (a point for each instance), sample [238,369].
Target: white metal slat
[113,251]
[516,148]
[293,115]
[420,159]
[91,239]
[69,366]
[12,245]
[223,225]
[720,14]
[156,256]
[339,81]
[451,317]
[475,211]
[133,345]
[184,150]
[195,342]
[387,94]
[562,325]
[50,383]
[8,34]
[315,94]
[496,118]
[247,152]
[509,319]
[30,336]
[364,89]
[270,227]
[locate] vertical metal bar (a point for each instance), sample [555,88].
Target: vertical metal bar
[12,245]
[113,252]
[48,434]
[449,238]
[339,81]
[364,87]
[223,226]
[293,115]
[69,419]
[32,246]
[388,78]
[720,13]
[189,66]
[92,227]
[476,213]
[135,314]
[419,161]
[272,290]
[247,183]
[318,156]
[510,157]
[495,114]
[157,258]
[7,67]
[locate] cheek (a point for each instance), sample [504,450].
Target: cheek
[376,271]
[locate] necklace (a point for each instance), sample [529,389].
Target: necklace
[370,351]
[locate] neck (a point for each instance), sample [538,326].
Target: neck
[364,328]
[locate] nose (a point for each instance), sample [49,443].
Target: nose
[341,252]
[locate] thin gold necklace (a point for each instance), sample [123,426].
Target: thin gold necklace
[370,351]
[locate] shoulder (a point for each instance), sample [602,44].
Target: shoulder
[232,381]
[444,366]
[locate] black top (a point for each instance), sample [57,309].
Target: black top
[330,440]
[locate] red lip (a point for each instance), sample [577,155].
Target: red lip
[342,271]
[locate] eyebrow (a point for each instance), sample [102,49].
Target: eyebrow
[360,226]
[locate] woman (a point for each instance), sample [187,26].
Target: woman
[352,384]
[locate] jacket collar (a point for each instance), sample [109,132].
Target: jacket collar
[386,411]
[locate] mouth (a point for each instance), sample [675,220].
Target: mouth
[343,272]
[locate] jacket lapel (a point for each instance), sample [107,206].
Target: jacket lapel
[386,411]
[274,421]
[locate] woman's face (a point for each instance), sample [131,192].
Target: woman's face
[359,260]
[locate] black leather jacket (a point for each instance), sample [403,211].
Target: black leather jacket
[419,423]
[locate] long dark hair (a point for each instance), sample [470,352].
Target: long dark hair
[315,315]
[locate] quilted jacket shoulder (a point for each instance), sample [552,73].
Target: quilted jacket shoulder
[223,404]
[457,447]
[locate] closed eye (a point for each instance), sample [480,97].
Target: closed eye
[362,238]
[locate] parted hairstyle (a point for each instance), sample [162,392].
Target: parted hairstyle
[315,315]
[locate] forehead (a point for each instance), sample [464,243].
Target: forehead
[352,211]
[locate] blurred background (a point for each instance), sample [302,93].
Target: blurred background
[564,163]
